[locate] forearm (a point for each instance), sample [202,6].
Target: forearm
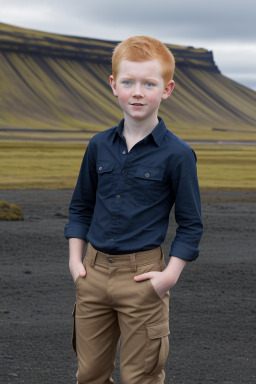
[76,249]
[173,270]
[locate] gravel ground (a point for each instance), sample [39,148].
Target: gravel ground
[212,308]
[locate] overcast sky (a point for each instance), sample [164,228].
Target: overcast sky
[227,27]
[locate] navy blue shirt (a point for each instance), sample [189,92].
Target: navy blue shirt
[122,200]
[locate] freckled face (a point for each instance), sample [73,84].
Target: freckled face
[140,88]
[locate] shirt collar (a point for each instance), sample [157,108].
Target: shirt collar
[118,131]
[157,134]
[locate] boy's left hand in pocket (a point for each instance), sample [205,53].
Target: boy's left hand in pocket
[156,278]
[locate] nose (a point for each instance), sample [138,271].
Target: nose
[137,91]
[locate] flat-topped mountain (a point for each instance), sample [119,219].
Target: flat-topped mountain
[62,82]
[14,39]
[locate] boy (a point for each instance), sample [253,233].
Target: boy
[130,177]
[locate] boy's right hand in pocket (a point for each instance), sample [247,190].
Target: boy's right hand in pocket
[77,248]
[77,269]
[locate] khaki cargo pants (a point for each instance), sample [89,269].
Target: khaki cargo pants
[109,303]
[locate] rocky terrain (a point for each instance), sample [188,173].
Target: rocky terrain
[212,307]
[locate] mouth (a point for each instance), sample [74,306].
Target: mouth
[137,104]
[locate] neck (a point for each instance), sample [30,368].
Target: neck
[135,131]
[138,129]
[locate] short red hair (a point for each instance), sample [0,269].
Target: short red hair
[144,48]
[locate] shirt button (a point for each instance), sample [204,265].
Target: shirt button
[118,197]
[147,174]
[124,152]
[123,171]
[100,168]
[114,217]
[111,240]
[111,261]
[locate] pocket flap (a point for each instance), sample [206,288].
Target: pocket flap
[105,166]
[150,173]
[156,331]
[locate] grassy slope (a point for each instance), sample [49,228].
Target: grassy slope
[44,91]
[55,90]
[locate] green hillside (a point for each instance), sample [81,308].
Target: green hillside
[59,86]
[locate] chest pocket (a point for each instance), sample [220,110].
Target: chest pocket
[105,176]
[148,185]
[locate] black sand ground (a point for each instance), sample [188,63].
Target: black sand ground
[213,313]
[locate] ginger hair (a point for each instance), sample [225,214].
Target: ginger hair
[144,48]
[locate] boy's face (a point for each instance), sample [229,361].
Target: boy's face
[140,88]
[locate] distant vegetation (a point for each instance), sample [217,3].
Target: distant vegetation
[10,211]
[56,166]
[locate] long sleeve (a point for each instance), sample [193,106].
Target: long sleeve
[187,208]
[83,200]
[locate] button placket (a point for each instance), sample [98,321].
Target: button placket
[118,197]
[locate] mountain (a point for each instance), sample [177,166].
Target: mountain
[58,82]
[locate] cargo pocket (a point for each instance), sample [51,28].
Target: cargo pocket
[73,339]
[157,347]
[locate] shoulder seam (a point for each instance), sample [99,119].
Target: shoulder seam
[103,132]
[171,137]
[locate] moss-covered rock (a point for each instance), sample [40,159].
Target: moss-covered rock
[10,211]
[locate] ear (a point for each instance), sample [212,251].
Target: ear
[113,85]
[168,89]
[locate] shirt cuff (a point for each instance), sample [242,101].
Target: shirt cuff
[184,251]
[79,231]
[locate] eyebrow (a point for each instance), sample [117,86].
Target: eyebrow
[132,77]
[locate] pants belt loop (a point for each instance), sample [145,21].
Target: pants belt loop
[93,255]
[133,263]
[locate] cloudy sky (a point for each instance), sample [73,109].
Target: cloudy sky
[227,27]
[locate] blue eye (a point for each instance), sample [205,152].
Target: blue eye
[148,84]
[127,82]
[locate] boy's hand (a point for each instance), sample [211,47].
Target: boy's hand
[77,269]
[77,248]
[163,281]
[160,284]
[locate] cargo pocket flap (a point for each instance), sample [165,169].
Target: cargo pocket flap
[157,348]
[150,173]
[157,331]
[105,166]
